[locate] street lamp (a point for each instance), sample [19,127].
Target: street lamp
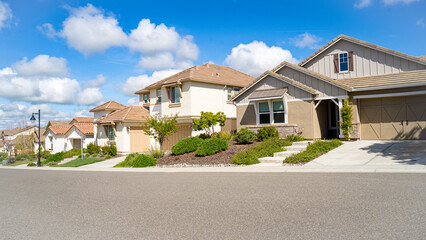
[33,119]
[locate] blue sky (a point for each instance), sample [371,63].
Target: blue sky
[67,56]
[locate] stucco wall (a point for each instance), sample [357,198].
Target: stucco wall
[58,142]
[246,115]
[367,62]
[301,113]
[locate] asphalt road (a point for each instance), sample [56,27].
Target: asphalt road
[118,205]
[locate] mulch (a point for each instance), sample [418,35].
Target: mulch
[223,157]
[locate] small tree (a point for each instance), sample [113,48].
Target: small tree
[161,128]
[207,121]
[346,113]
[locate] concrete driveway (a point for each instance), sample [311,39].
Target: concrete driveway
[375,153]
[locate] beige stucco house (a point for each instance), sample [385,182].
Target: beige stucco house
[387,88]
[208,87]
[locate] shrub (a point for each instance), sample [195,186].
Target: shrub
[107,156]
[128,161]
[245,136]
[266,133]
[264,149]
[72,153]
[25,157]
[106,149]
[186,145]
[346,114]
[45,154]
[93,148]
[109,150]
[313,151]
[113,151]
[57,157]
[211,146]
[227,136]
[294,138]
[31,164]
[156,153]
[51,164]
[144,161]
[11,160]
[204,136]
[87,155]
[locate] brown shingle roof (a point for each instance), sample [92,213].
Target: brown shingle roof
[422,58]
[128,114]
[411,77]
[58,123]
[85,128]
[59,130]
[108,106]
[82,120]
[208,73]
[354,40]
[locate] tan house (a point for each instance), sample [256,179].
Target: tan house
[387,88]
[208,87]
[122,126]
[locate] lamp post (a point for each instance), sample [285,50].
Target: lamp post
[33,119]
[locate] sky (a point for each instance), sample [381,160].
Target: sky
[65,57]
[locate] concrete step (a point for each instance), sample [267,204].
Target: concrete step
[272,159]
[295,148]
[285,154]
[302,143]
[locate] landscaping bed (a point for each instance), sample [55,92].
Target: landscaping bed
[220,158]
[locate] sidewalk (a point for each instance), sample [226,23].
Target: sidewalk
[110,163]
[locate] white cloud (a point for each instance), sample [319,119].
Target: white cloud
[89,96]
[307,40]
[48,30]
[42,65]
[5,14]
[421,22]
[94,83]
[395,2]
[83,113]
[89,31]
[136,83]
[158,61]
[362,3]
[256,57]
[133,102]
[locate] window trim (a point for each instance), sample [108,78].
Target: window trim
[109,133]
[271,111]
[173,100]
[347,61]
[158,95]
[147,100]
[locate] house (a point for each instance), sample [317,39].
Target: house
[23,136]
[208,87]
[122,126]
[387,88]
[61,136]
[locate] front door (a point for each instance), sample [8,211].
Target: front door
[332,120]
[76,143]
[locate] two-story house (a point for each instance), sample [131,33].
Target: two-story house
[387,88]
[208,87]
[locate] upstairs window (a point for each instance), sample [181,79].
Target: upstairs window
[146,98]
[159,95]
[174,95]
[343,62]
[232,92]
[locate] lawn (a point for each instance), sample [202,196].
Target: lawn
[20,163]
[80,162]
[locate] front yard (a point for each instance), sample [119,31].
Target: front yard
[80,162]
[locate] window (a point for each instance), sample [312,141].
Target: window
[111,135]
[51,142]
[343,62]
[159,95]
[174,95]
[278,110]
[146,98]
[232,92]
[264,114]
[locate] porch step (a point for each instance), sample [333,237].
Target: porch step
[279,157]
[295,148]
[272,159]
[302,143]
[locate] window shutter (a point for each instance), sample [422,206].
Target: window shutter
[336,63]
[351,61]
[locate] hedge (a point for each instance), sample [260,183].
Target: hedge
[186,145]
[144,161]
[245,136]
[266,133]
[211,146]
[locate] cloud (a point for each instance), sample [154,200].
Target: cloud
[362,3]
[98,82]
[89,96]
[307,40]
[89,31]
[48,30]
[421,22]
[133,102]
[42,65]
[158,61]
[395,2]
[256,57]
[136,83]
[5,14]
[13,113]
[83,113]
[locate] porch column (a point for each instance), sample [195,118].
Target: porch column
[340,118]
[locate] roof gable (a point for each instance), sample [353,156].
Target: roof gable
[108,106]
[128,114]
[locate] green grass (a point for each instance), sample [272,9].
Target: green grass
[20,163]
[313,151]
[80,162]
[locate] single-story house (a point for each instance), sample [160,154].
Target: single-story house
[387,89]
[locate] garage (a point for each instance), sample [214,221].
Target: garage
[393,118]
[139,141]
[183,132]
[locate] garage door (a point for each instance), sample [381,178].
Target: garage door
[393,118]
[139,141]
[183,132]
